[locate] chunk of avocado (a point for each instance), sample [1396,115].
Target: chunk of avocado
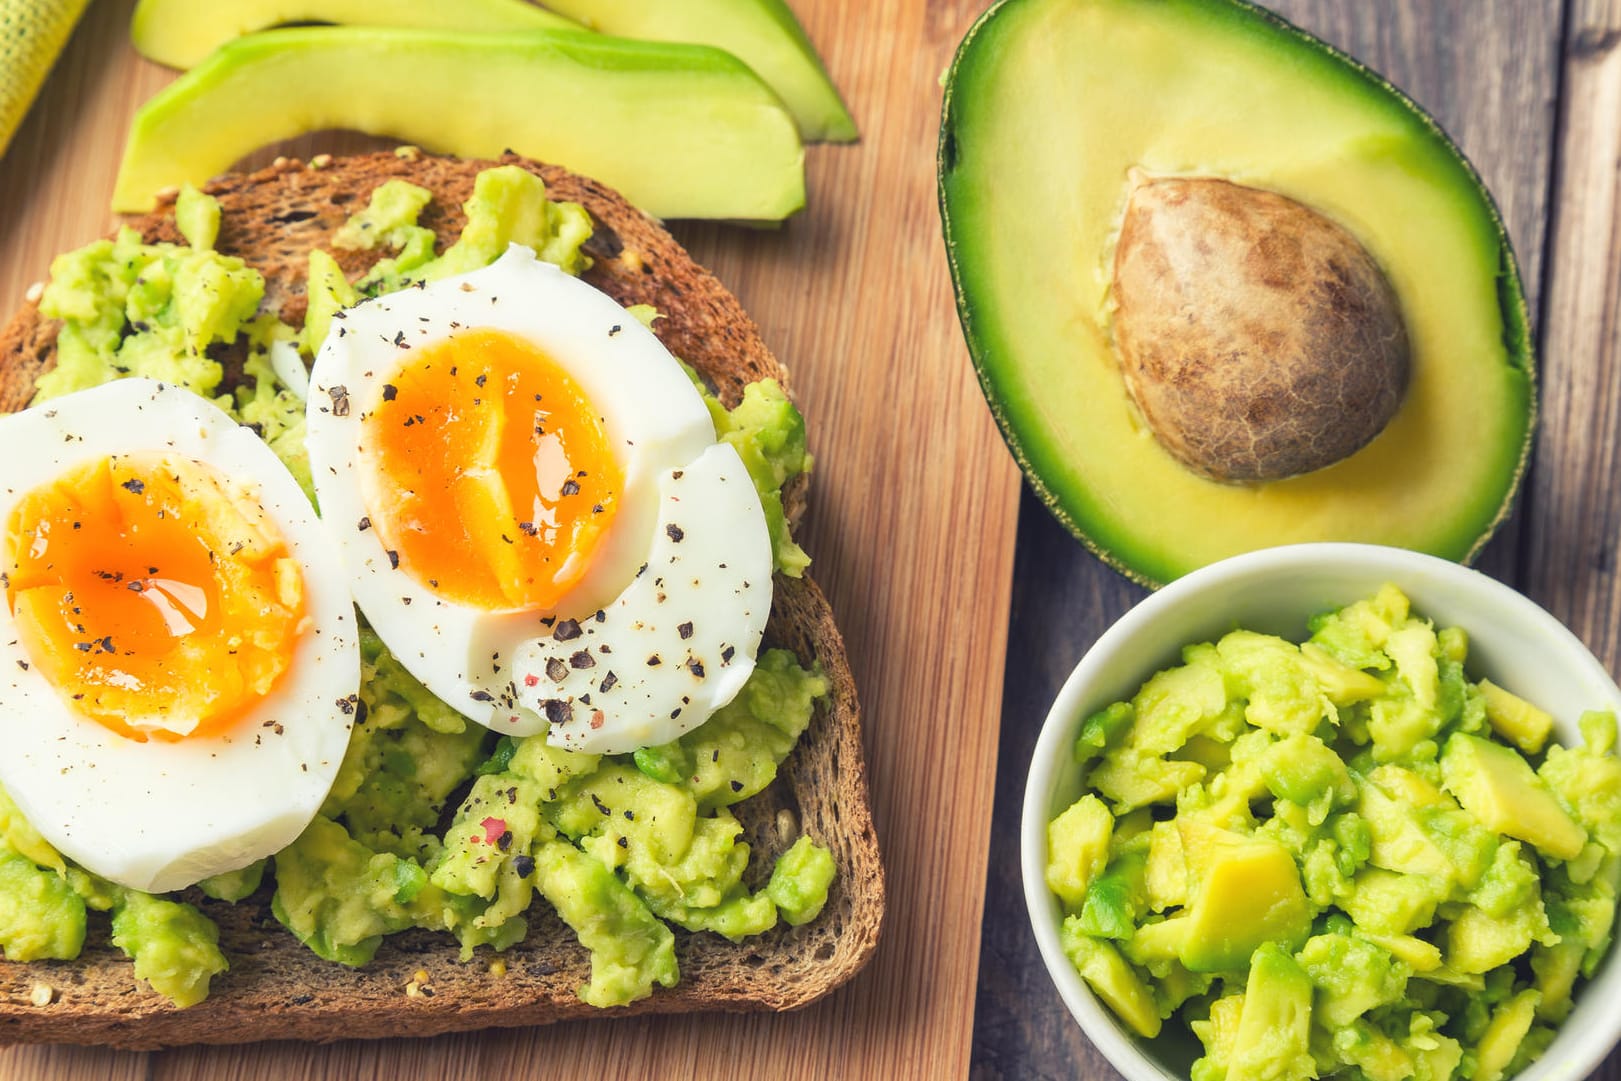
[1590,784]
[1222,90]
[40,915]
[1131,778]
[631,950]
[1217,1034]
[174,946]
[1477,942]
[1114,899]
[181,34]
[1341,683]
[1114,980]
[1516,720]
[1498,787]
[1273,1037]
[1367,1048]
[1078,848]
[1166,877]
[683,131]
[1301,769]
[1176,703]
[1556,968]
[1281,694]
[1422,957]
[1352,976]
[1400,842]
[1502,1039]
[1160,941]
[1102,729]
[1389,903]
[1248,893]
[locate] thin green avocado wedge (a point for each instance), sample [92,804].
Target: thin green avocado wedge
[762,33]
[181,33]
[683,131]
[1053,106]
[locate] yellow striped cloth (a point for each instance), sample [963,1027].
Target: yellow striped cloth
[32,33]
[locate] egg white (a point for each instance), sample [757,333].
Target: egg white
[680,641]
[657,425]
[160,815]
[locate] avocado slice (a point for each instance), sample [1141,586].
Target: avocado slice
[683,131]
[181,33]
[762,33]
[1055,109]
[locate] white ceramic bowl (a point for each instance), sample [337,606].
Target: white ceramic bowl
[1511,640]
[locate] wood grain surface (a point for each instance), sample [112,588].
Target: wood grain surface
[913,508]
[911,526]
[1531,89]
[1574,502]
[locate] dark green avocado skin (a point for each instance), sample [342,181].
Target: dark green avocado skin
[1077,487]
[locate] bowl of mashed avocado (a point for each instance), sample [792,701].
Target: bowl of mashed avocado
[1332,810]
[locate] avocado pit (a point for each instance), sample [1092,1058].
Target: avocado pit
[1258,338]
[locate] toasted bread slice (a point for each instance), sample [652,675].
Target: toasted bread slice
[277,989]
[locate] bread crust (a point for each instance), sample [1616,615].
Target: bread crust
[277,989]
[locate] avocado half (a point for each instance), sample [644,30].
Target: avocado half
[1052,106]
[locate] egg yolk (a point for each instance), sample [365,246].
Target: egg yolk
[486,472]
[153,594]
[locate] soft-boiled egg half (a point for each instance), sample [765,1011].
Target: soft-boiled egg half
[178,651]
[533,509]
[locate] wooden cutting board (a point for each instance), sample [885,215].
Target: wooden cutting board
[911,527]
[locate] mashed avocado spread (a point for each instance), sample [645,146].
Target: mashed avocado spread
[1342,858]
[622,847]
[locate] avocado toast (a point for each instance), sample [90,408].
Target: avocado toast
[277,989]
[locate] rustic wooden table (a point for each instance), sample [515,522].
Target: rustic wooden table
[916,504]
[913,509]
[1532,91]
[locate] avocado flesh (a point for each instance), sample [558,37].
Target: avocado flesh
[1272,1041]
[1500,789]
[1217,88]
[1249,893]
[181,33]
[683,131]
[762,33]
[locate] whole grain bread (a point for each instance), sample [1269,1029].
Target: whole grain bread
[277,989]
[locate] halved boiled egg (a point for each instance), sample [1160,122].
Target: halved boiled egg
[533,508]
[178,652]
